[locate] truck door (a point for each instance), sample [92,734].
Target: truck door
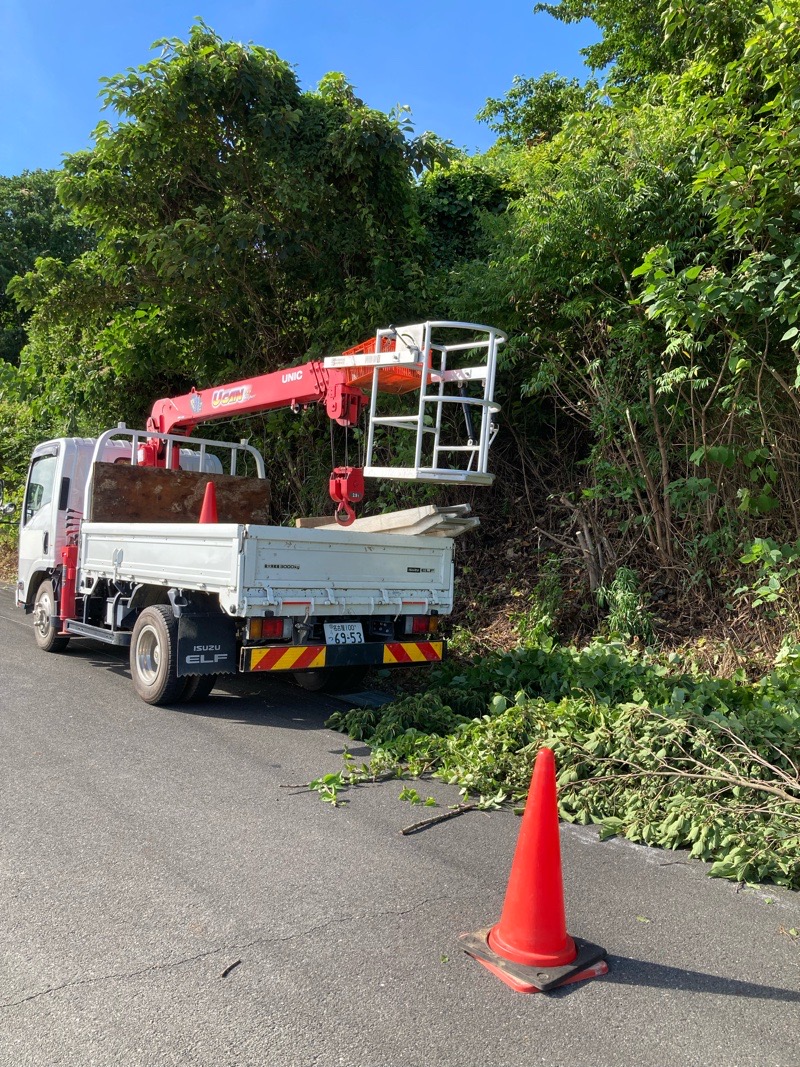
[37,524]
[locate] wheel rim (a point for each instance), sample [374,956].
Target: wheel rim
[148,655]
[42,613]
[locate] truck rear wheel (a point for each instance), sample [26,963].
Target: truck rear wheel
[44,608]
[154,656]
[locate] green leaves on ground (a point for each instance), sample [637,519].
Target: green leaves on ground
[645,749]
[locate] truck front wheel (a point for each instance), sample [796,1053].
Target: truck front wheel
[44,608]
[154,656]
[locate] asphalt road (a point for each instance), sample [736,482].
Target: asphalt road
[164,899]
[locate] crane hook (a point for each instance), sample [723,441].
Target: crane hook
[344,514]
[346,488]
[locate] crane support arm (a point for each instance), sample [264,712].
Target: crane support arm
[295,387]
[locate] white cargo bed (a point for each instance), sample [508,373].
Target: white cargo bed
[285,570]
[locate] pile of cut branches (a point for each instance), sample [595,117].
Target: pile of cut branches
[644,748]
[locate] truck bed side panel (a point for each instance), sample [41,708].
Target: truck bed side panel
[121,493]
[286,571]
[189,556]
[329,572]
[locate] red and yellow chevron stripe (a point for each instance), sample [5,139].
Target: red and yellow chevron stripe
[412,652]
[371,654]
[301,658]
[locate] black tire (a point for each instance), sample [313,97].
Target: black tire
[44,607]
[154,656]
[198,687]
[332,680]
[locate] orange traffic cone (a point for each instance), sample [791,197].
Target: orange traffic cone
[529,948]
[208,512]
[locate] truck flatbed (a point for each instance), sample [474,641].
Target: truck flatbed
[287,571]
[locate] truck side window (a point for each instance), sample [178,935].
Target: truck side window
[40,485]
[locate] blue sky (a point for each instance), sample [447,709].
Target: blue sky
[442,58]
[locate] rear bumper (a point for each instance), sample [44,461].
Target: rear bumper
[314,657]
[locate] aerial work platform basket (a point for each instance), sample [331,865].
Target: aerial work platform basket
[446,371]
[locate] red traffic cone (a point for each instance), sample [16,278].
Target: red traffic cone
[208,512]
[529,948]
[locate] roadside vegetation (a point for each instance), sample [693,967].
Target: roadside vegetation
[632,595]
[647,745]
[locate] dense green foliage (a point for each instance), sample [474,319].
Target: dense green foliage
[240,224]
[536,108]
[34,225]
[638,243]
[646,269]
[641,38]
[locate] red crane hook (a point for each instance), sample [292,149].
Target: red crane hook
[346,487]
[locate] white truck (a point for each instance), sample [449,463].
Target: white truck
[139,538]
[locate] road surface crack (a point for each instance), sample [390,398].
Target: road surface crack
[228,949]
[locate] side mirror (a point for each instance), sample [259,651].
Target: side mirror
[5,509]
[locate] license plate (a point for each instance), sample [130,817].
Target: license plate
[344,633]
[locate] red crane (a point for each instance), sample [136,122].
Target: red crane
[397,360]
[295,388]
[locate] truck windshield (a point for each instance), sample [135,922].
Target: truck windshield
[40,485]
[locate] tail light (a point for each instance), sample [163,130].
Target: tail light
[269,629]
[422,624]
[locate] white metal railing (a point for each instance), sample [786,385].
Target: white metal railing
[424,348]
[106,441]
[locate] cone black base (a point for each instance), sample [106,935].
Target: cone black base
[589,963]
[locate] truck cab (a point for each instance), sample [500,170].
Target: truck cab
[53,502]
[53,506]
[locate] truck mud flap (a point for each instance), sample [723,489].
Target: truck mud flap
[206,645]
[312,657]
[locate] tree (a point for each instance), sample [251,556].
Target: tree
[241,225]
[596,198]
[32,224]
[239,222]
[651,260]
[453,202]
[733,305]
[641,38]
[535,109]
